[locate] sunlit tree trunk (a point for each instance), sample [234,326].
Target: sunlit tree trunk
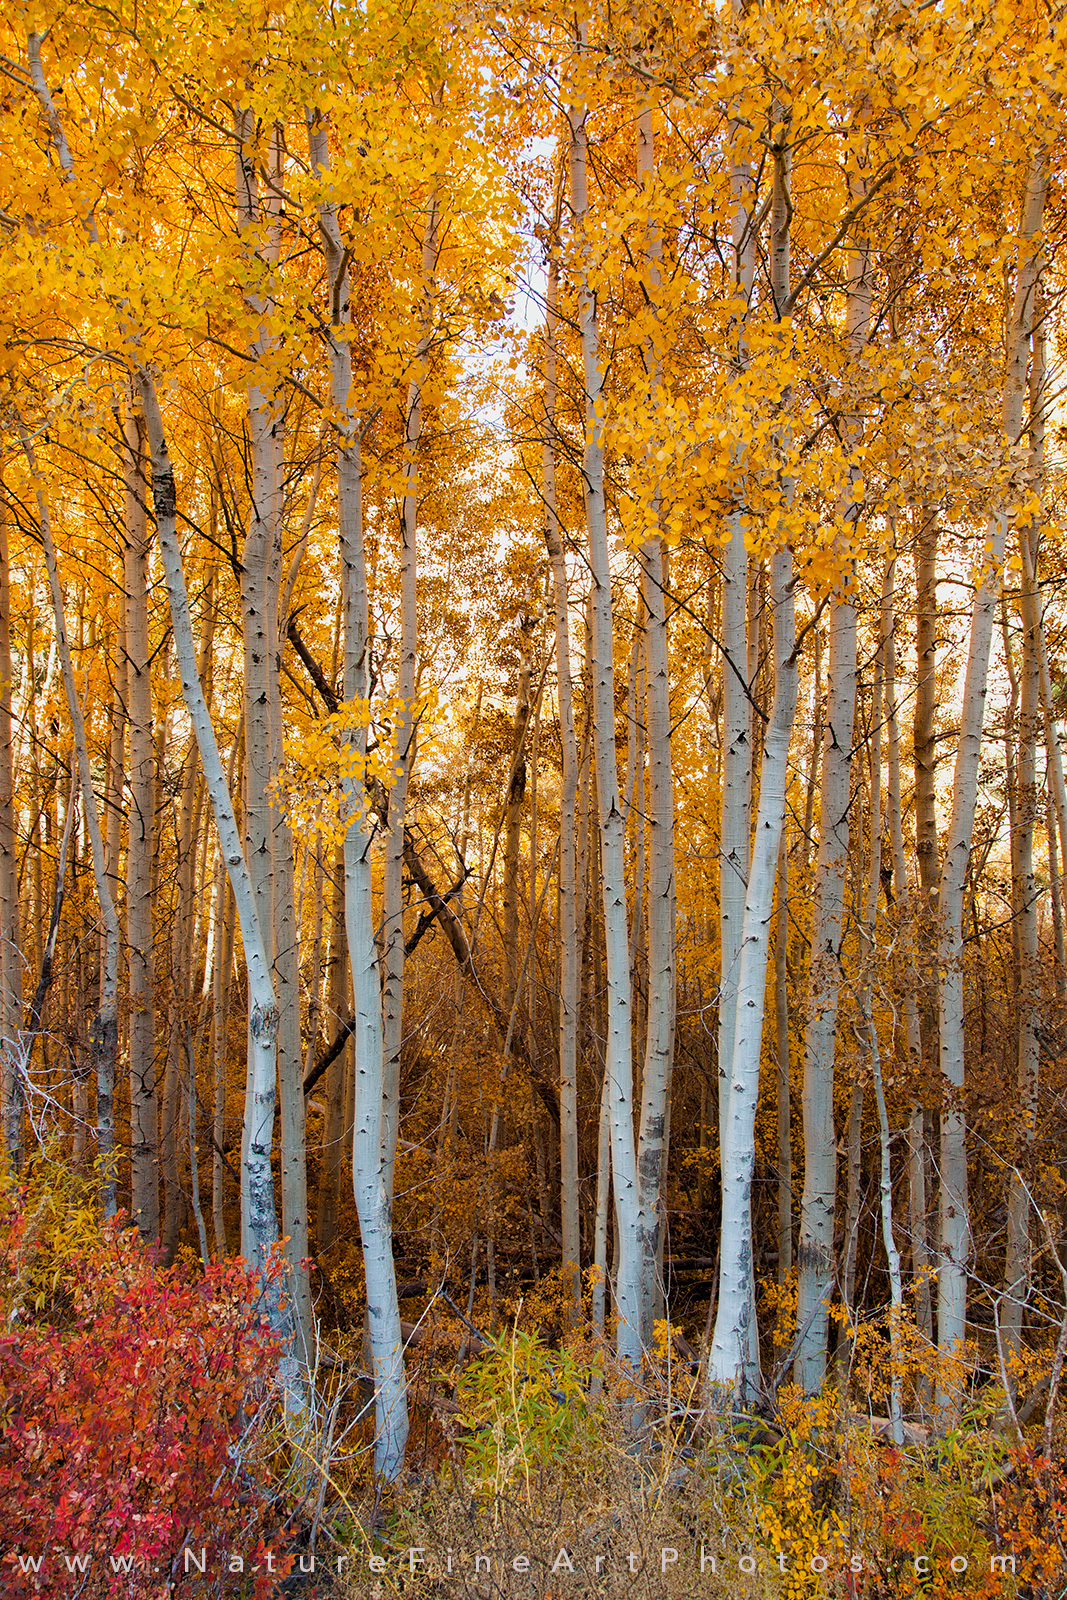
[815,1249]
[334,1161]
[954,1220]
[733,1356]
[393,949]
[1024,884]
[259,1222]
[782,1067]
[372,1193]
[737,753]
[619,1059]
[659,1034]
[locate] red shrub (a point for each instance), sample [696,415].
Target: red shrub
[130,1431]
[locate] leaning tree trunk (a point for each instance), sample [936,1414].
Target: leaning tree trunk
[955,1230]
[259,1223]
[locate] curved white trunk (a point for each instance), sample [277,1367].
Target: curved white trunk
[258,1182]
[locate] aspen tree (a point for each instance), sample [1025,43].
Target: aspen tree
[659,1041]
[619,1059]
[816,1243]
[731,1362]
[372,1193]
[10,939]
[570,949]
[140,841]
[406,723]
[954,1220]
[259,1221]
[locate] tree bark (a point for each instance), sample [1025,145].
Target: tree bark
[259,1223]
[954,1221]
[570,951]
[372,1193]
[619,1059]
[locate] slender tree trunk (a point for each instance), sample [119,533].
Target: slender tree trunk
[815,1250]
[659,1036]
[333,1154]
[259,1223]
[612,830]
[734,1348]
[226,916]
[104,1033]
[372,1192]
[393,951]
[955,1231]
[782,1065]
[1024,884]
[10,938]
[729,1356]
[570,951]
[737,754]
[140,844]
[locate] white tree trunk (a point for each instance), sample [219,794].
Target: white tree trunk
[955,1230]
[373,1203]
[734,1354]
[612,831]
[815,1250]
[10,940]
[105,1026]
[659,1035]
[393,884]
[570,951]
[140,845]
[737,751]
[258,1182]
[729,1359]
